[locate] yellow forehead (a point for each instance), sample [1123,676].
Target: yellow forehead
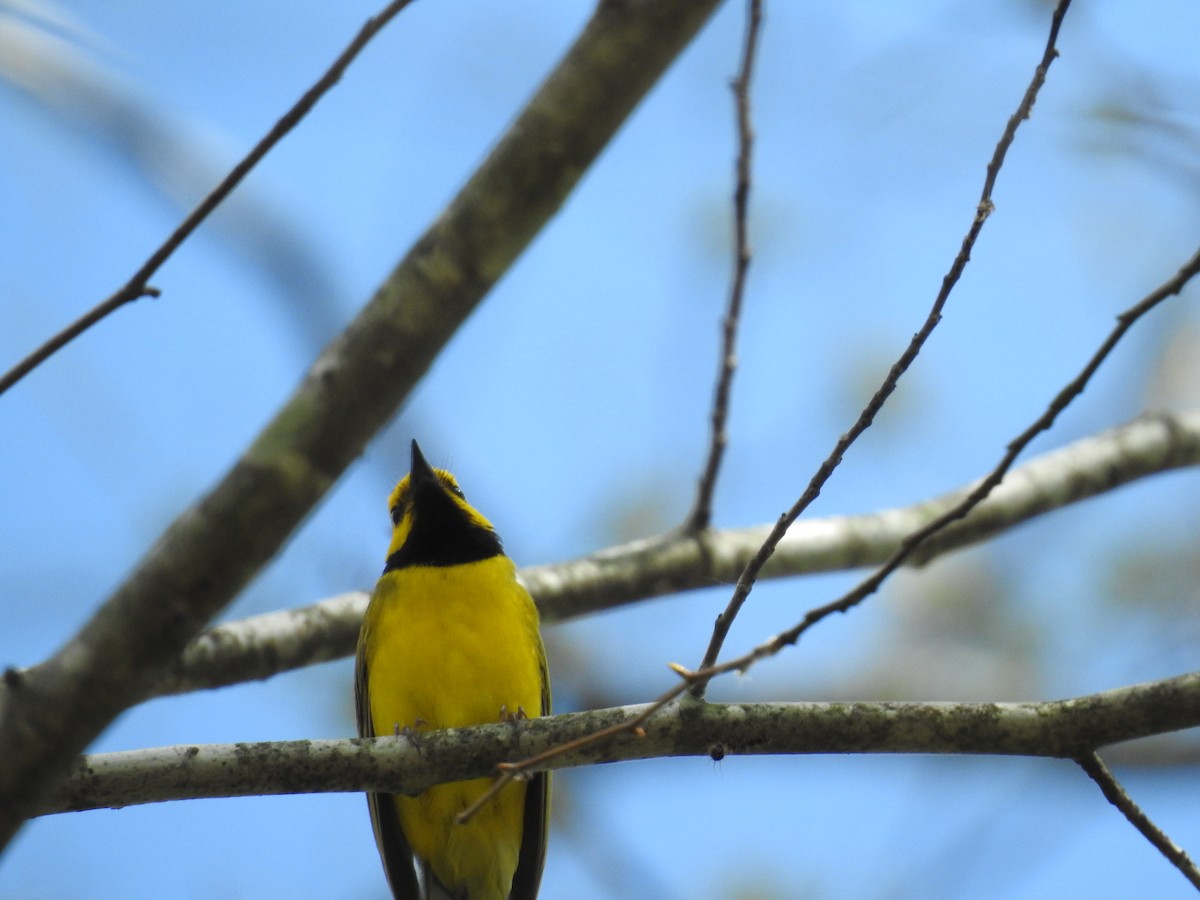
[400,494]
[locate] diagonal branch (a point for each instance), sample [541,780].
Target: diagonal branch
[1116,795]
[983,209]
[265,645]
[695,681]
[980,492]
[1062,729]
[49,713]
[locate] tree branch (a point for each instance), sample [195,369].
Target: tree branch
[670,563]
[49,713]
[980,492]
[1116,795]
[748,576]
[701,514]
[262,646]
[1066,729]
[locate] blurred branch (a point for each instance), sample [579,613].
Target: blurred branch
[265,645]
[50,712]
[138,286]
[55,63]
[1116,795]
[667,564]
[1066,729]
[261,646]
[701,515]
[748,576]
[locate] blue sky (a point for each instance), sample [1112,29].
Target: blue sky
[573,407]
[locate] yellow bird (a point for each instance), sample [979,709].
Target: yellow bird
[451,639]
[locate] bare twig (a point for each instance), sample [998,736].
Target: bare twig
[137,286]
[701,514]
[983,209]
[1043,423]
[1116,795]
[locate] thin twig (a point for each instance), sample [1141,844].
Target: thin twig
[137,286]
[1063,399]
[1116,795]
[910,543]
[515,771]
[983,209]
[701,514]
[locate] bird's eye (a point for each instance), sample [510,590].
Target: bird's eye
[457,491]
[397,514]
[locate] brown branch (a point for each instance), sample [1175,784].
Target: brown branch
[50,712]
[983,209]
[137,286]
[701,515]
[1116,795]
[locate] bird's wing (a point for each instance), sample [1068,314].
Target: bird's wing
[534,831]
[389,836]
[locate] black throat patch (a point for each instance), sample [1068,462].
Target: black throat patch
[442,534]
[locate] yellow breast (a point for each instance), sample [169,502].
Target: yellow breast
[449,647]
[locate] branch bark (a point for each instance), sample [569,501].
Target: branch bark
[262,646]
[1062,729]
[49,713]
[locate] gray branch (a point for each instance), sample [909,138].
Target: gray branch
[262,646]
[1063,729]
[51,712]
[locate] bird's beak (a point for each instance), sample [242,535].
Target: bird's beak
[421,471]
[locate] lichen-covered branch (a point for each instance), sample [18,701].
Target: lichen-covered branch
[1065,729]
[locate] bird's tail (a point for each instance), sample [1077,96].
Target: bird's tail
[432,889]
